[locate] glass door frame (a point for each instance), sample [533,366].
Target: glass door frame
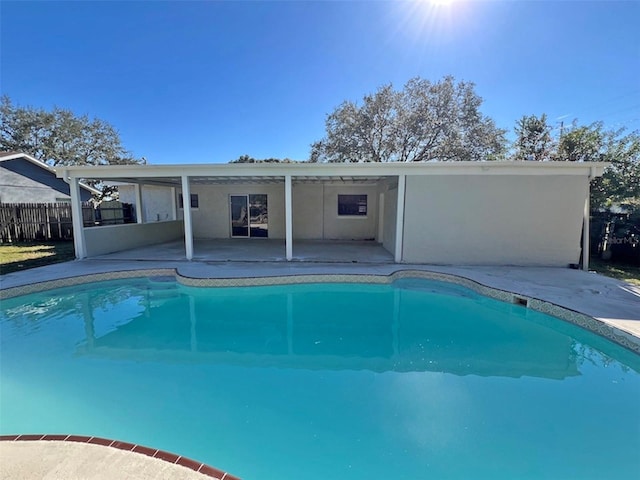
[231,219]
[248,206]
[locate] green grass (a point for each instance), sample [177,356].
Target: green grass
[16,257]
[621,271]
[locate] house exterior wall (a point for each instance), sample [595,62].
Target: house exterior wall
[212,218]
[390,214]
[348,227]
[23,182]
[127,194]
[15,188]
[115,238]
[308,203]
[156,201]
[494,220]
[315,212]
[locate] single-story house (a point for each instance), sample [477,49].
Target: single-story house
[25,179]
[464,213]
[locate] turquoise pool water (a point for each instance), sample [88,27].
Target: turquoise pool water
[323,381]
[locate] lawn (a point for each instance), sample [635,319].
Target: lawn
[15,257]
[621,271]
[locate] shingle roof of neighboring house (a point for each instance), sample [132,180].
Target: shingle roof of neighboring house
[10,161]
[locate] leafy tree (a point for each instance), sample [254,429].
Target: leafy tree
[534,140]
[425,121]
[620,183]
[582,143]
[248,159]
[59,137]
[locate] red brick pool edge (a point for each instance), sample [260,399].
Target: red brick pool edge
[127,447]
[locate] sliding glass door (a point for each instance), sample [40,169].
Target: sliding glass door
[249,215]
[239,215]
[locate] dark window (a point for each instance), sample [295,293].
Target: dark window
[194,200]
[352,205]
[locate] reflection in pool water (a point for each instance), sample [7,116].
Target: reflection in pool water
[313,381]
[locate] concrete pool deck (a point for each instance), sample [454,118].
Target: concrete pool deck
[609,301]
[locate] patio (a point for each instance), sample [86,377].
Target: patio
[261,250]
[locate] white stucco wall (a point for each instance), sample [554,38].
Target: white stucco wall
[347,227]
[308,203]
[16,188]
[156,201]
[315,212]
[390,214]
[115,238]
[211,218]
[126,194]
[494,220]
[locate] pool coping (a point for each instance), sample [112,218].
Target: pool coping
[163,455]
[611,332]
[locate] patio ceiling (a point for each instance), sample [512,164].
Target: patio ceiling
[257,180]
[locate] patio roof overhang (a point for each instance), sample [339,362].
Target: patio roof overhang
[171,175]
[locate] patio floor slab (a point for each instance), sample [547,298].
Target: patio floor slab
[260,250]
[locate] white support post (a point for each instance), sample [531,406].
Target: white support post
[585,234]
[288,217]
[77,219]
[186,210]
[138,192]
[402,180]
[174,208]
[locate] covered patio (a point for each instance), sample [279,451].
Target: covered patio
[455,213]
[262,250]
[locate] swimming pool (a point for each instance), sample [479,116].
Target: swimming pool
[410,380]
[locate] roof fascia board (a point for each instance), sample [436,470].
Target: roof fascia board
[349,169]
[29,158]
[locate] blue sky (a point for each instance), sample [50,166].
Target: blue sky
[194,82]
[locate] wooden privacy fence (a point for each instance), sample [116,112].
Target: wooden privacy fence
[27,222]
[23,222]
